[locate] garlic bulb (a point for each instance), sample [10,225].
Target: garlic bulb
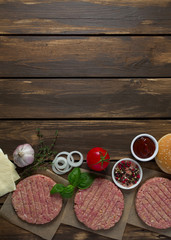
[23,155]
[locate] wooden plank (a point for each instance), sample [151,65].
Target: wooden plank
[85,98]
[67,232]
[85,56]
[113,135]
[136,233]
[85,17]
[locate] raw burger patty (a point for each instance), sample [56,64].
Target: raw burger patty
[32,200]
[99,206]
[153,202]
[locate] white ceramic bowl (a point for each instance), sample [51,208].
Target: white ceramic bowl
[156,147]
[119,184]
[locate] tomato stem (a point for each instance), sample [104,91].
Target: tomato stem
[103,159]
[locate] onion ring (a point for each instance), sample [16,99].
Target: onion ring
[57,168]
[62,153]
[71,162]
[61,160]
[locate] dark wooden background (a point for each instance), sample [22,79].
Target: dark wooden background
[99,71]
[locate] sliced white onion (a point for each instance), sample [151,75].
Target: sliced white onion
[61,160]
[62,153]
[67,163]
[57,168]
[71,162]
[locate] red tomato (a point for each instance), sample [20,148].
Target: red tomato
[98,159]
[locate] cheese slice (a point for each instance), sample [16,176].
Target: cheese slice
[8,175]
[7,183]
[13,171]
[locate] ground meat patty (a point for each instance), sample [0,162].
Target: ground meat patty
[99,206]
[153,202]
[32,200]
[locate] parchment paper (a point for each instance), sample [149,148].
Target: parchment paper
[134,218]
[115,232]
[67,215]
[46,231]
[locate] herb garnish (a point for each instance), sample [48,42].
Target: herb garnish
[76,179]
[86,179]
[43,154]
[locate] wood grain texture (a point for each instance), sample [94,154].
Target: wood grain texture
[85,56]
[71,233]
[85,98]
[114,135]
[85,17]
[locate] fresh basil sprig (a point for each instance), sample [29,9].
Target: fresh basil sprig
[68,191]
[57,188]
[86,179]
[65,192]
[76,179]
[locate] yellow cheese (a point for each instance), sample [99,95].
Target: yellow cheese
[7,183]
[8,175]
[13,171]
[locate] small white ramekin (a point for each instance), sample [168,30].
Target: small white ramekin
[156,147]
[120,185]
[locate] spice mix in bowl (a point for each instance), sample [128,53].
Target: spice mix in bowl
[127,173]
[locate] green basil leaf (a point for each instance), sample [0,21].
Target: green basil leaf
[86,179]
[67,192]
[57,188]
[74,176]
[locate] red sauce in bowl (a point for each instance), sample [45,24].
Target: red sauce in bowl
[144,147]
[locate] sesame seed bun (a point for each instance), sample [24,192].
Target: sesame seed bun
[163,158]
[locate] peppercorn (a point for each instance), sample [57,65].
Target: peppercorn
[122,175]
